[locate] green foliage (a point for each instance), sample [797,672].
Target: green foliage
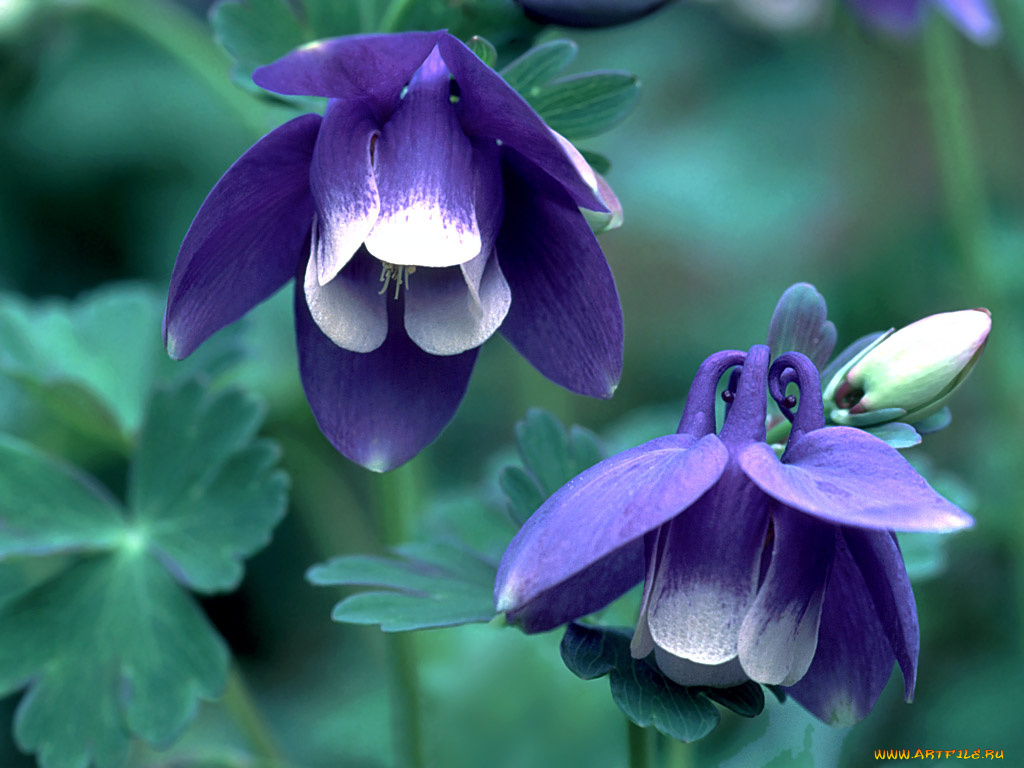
[646,696]
[483,48]
[577,106]
[109,645]
[91,363]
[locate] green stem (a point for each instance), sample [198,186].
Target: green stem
[399,496]
[637,737]
[239,702]
[962,178]
[185,38]
[395,13]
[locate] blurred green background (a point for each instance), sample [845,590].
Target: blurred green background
[759,156]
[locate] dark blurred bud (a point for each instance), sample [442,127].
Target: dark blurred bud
[589,13]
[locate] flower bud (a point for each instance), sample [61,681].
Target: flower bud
[910,373]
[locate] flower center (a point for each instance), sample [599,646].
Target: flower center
[397,272]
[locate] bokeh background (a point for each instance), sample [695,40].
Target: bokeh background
[773,143]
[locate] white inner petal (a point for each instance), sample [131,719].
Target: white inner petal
[686,672]
[779,651]
[350,312]
[422,231]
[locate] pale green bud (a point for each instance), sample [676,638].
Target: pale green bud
[908,375]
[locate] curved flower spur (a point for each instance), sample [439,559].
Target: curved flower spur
[428,208]
[783,571]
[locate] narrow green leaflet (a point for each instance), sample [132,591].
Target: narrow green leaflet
[92,362]
[430,585]
[104,637]
[448,579]
[577,106]
[800,323]
[646,696]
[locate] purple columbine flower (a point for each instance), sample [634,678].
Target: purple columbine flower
[783,571]
[428,208]
[975,18]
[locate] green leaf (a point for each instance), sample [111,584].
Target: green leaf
[92,362]
[109,645]
[746,700]
[203,492]
[112,647]
[430,585]
[524,497]
[549,454]
[539,65]
[897,434]
[47,506]
[639,689]
[586,105]
[597,161]
[484,50]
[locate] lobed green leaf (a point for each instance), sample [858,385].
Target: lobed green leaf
[586,105]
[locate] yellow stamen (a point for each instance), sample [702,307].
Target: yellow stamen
[397,272]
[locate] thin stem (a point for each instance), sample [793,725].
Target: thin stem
[239,702]
[399,495]
[637,737]
[962,178]
[185,38]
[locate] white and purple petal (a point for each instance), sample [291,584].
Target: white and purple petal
[706,577]
[854,660]
[606,508]
[247,240]
[779,634]
[565,316]
[686,672]
[383,407]
[343,185]
[849,477]
[881,564]
[369,68]
[426,176]
[975,18]
[349,310]
[450,310]
[490,107]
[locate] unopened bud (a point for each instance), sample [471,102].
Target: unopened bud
[909,374]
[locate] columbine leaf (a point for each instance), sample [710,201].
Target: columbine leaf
[800,324]
[202,489]
[483,48]
[550,454]
[47,506]
[587,105]
[109,645]
[897,434]
[639,689]
[539,65]
[92,362]
[113,648]
[429,585]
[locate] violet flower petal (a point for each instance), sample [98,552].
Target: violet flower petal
[779,634]
[446,315]
[854,660]
[380,408]
[881,564]
[607,507]
[706,579]
[369,68]
[900,17]
[849,477]
[975,18]
[344,188]
[565,316]
[589,590]
[490,107]
[349,309]
[426,176]
[246,241]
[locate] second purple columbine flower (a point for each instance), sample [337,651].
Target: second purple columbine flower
[782,571]
[428,208]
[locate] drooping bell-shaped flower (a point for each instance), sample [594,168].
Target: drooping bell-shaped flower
[975,18]
[428,208]
[784,571]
